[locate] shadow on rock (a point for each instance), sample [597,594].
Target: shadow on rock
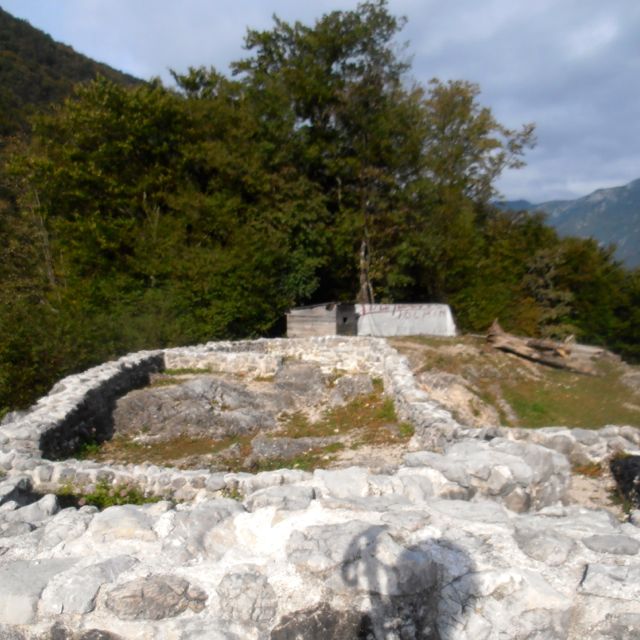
[388,590]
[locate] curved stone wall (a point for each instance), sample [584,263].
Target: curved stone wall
[79,407]
[467,540]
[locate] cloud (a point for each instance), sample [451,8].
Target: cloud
[571,67]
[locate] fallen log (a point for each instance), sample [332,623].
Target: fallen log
[547,352]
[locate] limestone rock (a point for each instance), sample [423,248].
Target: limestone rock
[321,622]
[155,598]
[75,591]
[616,544]
[550,547]
[21,584]
[124,522]
[612,581]
[247,597]
[286,498]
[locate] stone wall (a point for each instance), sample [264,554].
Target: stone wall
[467,540]
[78,409]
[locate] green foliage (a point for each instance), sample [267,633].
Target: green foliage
[105,495]
[139,217]
[35,71]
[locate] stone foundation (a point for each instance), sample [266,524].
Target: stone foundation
[468,539]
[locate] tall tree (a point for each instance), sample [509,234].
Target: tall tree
[353,123]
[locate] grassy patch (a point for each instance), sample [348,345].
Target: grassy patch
[126,450]
[590,470]
[538,395]
[87,450]
[105,495]
[572,400]
[187,371]
[366,420]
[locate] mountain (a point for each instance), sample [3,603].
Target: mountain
[36,71]
[607,215]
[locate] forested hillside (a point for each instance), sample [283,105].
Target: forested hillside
[146,216]
[610,216]
[36,71]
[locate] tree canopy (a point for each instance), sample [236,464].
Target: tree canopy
[147,216]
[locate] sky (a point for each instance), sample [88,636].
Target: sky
[570,66]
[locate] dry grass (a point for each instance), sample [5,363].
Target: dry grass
[538,395]
[367,420]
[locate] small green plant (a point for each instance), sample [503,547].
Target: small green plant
[105,495]
[387,411]
[270,378]
[406,429]
[623,502]
[233,494]
[87,449]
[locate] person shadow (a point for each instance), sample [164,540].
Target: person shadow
[419,592]
[385,589]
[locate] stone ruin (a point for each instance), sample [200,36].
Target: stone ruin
[471,537]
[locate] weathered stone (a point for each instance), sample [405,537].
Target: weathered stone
[275,448]
[375,564]
[191,531]
[616,544]
[36,511]
[21,584]
[285,497]
[124,522]
[155,598]
[343,483]
[323,547]
[97,634]
[322,622]
[617,581]
[247,597]
[12,529]
[75,591]
[545,545]
[348,387]
[68,524]
[625,626]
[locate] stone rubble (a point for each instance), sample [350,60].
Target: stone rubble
[471,538]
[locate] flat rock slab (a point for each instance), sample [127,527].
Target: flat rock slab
[155,598]
[21,584]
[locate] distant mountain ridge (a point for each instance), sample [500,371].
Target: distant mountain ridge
[36,71]
[607,215]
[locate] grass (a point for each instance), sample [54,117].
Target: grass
[88,449]
[126,450]
[572,400]
[539,396]
[367,420]
[186,371]
[590,470]
[105,495]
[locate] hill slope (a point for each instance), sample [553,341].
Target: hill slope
[608,215]
[36,71]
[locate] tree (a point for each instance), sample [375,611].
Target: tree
[340,84]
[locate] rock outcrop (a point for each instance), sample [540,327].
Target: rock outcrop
[472,537]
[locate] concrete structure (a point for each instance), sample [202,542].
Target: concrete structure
[328,319]
[405,320]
